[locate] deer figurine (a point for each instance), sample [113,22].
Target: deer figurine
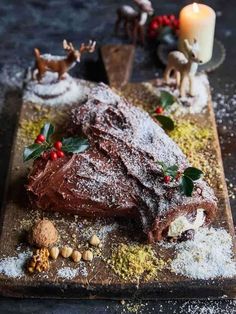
[60,65]
[184,67]
[134,21]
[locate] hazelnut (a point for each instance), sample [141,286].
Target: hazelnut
[76,256]
[94,240]
[54,252]
[43,234]
[88,256]
[66,251]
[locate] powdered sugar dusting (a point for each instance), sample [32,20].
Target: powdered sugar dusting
[14,266]
[186,105]
[67,272]
[52,92]
[70,273]
[208,256]
[101,230]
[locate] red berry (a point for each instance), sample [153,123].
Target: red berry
[58,145]
[166,179]
[38,141]
[159,110]
[172,17]
[154,25]
[166,21]
[60,154]
[41,138]
[53,155]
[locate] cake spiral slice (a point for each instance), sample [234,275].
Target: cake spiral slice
[119,175]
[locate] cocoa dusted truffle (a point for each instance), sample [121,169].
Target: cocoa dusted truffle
[43,234]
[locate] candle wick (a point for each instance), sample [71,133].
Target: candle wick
[195,7]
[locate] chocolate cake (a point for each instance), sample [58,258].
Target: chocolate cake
[119,174]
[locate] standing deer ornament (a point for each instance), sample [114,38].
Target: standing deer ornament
[134,21]
[184,67]
[60,65]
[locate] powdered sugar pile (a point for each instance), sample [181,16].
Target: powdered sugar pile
[186,105]
[69,273]
[208,256]
[14,266]
[51,91]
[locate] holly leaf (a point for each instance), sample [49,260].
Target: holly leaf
[166,99]
[165,34]
[172,171]
[33,151]
[187,185]
[193,173]
[47,130]
[74,144]
[166,122]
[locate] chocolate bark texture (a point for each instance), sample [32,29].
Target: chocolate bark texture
[119,174]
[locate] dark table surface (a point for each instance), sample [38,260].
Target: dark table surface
[34,23]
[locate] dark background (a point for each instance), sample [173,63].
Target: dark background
[43,24]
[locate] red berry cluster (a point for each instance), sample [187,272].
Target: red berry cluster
[56,152]
[160,21]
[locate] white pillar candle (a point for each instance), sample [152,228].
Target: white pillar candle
[197,21]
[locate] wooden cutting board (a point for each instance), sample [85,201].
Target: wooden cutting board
[97,280]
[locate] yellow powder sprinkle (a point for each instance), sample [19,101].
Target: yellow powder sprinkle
[190,137]
[196,143]
[133,262]
[29,129]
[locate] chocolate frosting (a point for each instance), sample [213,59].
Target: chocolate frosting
[118,175]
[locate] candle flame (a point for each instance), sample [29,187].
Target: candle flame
[195,7]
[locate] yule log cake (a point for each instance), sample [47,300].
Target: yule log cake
[121,172]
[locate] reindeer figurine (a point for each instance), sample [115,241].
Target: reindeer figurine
[134,21]
[184,67]
[60,65]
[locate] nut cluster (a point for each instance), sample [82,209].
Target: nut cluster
[39,261]
[67,251]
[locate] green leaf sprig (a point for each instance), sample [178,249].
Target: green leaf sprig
[190,175]
[70,145]
[166,122]
[171,171]
[186,178]
[166,100]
